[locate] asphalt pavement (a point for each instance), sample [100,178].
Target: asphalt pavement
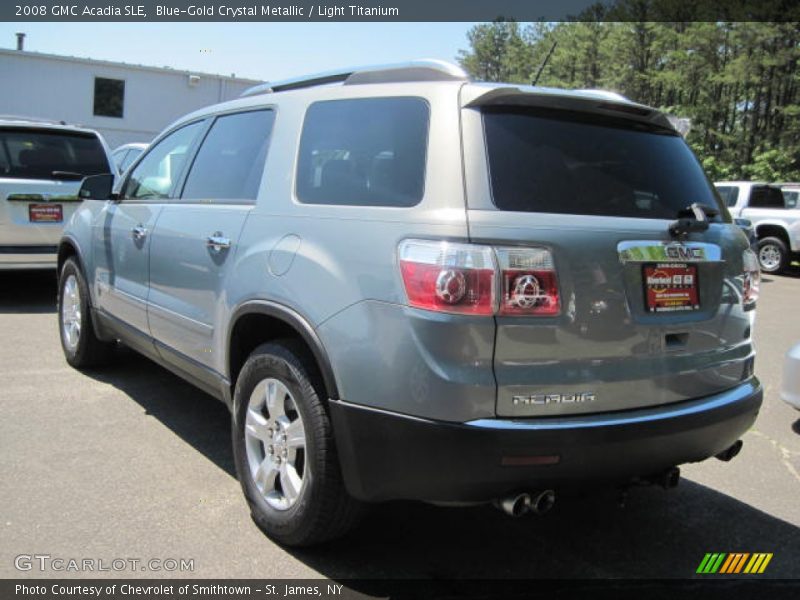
[130,462]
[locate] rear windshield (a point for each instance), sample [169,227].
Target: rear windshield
[36,154]
[573,164]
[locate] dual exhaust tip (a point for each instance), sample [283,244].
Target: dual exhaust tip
[519,504]
[541,502]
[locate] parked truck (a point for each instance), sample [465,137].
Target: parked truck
[777,226]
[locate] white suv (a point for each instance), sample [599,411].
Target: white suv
[41,168]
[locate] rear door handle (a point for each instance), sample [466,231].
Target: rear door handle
[139,233]
[217,242]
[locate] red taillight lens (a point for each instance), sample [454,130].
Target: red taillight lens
[529,282]
[448,277]
[467,279]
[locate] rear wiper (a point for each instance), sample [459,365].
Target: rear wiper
[692,219]
[71,175]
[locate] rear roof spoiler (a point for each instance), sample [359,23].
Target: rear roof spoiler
[598,102]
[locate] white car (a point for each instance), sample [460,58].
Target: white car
[126,154]
[790,386]
[42,165]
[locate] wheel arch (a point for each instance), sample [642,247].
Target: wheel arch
[258,321]
[765,230]
[67,248]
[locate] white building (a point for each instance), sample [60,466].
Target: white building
[124,102]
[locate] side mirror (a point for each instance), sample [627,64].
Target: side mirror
[97,187]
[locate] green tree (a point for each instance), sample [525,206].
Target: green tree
[738,82]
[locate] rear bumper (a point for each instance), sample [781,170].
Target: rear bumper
[28,257]
[387,456]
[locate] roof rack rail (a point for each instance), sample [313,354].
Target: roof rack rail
[414,70]
[32,120]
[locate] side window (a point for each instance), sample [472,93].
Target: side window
[5,163]
[119,158]
[154,177]
[729,194]
[364,152]
[765,196]
[132,155]
[230,161]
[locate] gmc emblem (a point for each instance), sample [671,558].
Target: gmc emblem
[684,253]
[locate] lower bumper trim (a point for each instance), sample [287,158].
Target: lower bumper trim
[386,456]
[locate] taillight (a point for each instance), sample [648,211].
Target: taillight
[448,277]
[752,278]
[529,282]
[479,280]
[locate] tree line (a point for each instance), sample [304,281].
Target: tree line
[738,82]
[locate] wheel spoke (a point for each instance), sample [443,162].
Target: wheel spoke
[296,434]
[257,425]
[291,482]
[264,476]
[276,393]
[71,312]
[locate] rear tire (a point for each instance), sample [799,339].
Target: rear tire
[294,486]
[773,256]
[81,346]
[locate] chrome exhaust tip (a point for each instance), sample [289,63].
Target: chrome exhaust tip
[515,505]
[731,452]
[543,502]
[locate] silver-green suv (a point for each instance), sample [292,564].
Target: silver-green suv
[406,285]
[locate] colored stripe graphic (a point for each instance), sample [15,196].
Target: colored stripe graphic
[734,563]
[730,564]
[715,567]
[740,563]
[711,562]
[727,564]
[703,563]
[754,564]
[765,563]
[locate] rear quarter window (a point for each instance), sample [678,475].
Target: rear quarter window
[570,163]
[364,152]
[36,154]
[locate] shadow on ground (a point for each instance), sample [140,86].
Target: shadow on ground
[658,534]
[28,292]
[791,272]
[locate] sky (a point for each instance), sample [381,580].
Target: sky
[262,51]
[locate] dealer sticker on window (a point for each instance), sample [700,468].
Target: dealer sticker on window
[45,213]
[670,287]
